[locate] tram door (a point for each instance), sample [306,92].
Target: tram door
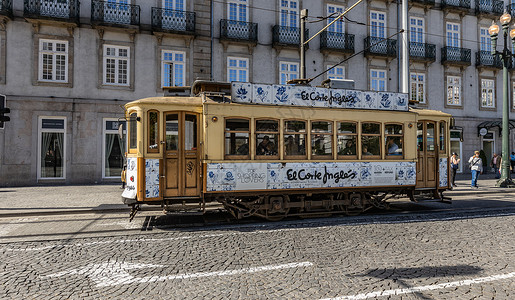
[427,155]
[181,155]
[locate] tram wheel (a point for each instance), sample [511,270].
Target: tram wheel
[356,205]
[279,208]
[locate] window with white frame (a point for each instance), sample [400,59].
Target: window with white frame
[173,68]
[288,71]
[485,41]
[334,11]
[377,80]
[377,24]
[113,149]
[289,13]
[453,90]
[53,60]
[337,72]
[116,65]
[52,145]
[418,87]
[416,28]
[487,93]
[237,69]
[237,10]
[453,35]
[174,4]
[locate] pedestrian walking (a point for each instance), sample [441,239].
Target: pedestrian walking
[496,164]
[476,168]
[512,161]
[455,161]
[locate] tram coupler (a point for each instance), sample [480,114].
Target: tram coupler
[134,210]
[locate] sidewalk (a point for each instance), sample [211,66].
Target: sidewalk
[102,198]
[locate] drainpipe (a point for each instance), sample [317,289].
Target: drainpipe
[211,54]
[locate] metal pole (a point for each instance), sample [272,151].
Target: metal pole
[505,180]
[303,17]
[405,48]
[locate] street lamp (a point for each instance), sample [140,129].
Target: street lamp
[506,56]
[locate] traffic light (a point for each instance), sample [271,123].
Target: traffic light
[3,110]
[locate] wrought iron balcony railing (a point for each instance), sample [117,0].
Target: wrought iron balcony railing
[238,30]
[381,47]
[490,7]
[422,51]
[460,4]
[173,21]
[337,41]
[486,59]
[455,55]
[424,2]
[51,9]
[286,36]
[109,13]
[6,7]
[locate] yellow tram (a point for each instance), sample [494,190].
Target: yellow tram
[279,150]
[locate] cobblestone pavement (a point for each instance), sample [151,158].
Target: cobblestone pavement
[440,255]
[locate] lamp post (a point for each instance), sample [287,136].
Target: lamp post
[505,55]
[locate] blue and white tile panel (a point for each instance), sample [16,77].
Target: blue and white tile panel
[443,172]
[151,178]
[263,176]
[244,92]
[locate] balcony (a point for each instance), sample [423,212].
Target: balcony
[422,52]
[337,41]
[489,7]
[6,8]
[239,31]
[484,59]
[422,3]
[460,6]
[173,21]
[114,14]
[66,11]
[283,36]
[456,56]
[375,46]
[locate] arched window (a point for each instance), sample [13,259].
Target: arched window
[153,132]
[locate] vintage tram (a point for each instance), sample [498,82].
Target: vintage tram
[281,150]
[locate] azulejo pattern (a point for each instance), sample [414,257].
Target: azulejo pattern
[262,176]
[443,172]
[152,178]
[244,92]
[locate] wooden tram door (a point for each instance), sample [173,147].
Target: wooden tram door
[427,155]
[181,154]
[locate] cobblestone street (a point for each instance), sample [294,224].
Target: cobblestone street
[447,256]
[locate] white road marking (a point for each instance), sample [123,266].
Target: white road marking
[378,222]
[424,288]
[124,224]
[14,225]
[114,273]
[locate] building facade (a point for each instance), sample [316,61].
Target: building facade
[68,66]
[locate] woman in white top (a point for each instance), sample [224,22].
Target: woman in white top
[476,168]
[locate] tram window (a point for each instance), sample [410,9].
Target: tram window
[420,137]
[370,139]
[347,139]
[294,139]
[172,132]
[133,131]
[190,132]
[237,133]
[442,137]
[153,131]
[430,140]
[321,139]
[393,140]
[267,138]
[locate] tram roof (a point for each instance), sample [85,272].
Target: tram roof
[429,112]
[186,101]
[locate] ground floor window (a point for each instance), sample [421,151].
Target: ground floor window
[52,139]
[114,149]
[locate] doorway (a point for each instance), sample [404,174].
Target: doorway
[181,155]
[488,146]
[427,155]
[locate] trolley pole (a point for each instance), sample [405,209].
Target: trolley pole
[303,17]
